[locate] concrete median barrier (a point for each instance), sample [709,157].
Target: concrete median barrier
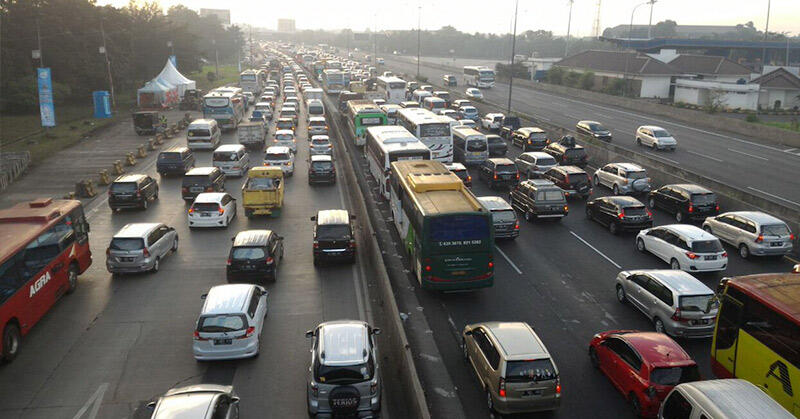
[130,159]
[105,179]
[151,144]
[117,168]
[141,151]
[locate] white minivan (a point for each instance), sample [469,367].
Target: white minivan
[315,108]
[232,159]
[282,157]
[230,322]
[203,134]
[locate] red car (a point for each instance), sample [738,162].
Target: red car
[644,366]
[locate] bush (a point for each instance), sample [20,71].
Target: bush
[555,75]
[22,95]
[572,79]
[587,80]
[211,76]
[751,118]
[616,87]
[422,79]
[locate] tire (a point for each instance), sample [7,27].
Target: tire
[175,245]
[674,265]
[593,357]
[679,216]
[156,265]
[464,354]
[621,294]
[145,204]
[11,342]
[588,213]
[640,245]
[275,274]
[596,181]
[615,189]
[652,203]
[155,195]
[613,228]
[72,278]
[638,141]
[528,216]
[636,405]
[490,401]
[744,251]
[659,325]
[654,146]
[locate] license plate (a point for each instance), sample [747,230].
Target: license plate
[126,259]
[712,257]
[196,189]
[205,214]
[459,272]
[700,321]
[776,244]
[223,341]
[532,393]
[248,267]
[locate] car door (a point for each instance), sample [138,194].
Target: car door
[670,246]
[164,242]
[602,175]
[636,290]
[654,242]
[478,355]
[610,356]
[609,212]
[154,243]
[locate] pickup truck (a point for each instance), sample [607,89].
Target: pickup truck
[492,121]
[262,193]
[252,134]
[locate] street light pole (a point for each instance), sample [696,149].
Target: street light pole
[569,26]
[766,31]
[650,22]
[419,35]
[108,66]
[513,51]
[627,54]
[216,58]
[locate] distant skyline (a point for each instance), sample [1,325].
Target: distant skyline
[495,16]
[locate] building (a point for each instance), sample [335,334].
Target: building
[647,77]
[704,67]
[223,15]
[779,89]
[286,25]
[681,31]
[718,93]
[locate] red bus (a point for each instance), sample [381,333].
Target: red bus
[44,246]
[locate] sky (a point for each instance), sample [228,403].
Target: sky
[496,16]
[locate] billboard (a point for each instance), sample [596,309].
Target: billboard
[46,108]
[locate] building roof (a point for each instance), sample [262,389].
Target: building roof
[615,62]
[708,65]
[779,78]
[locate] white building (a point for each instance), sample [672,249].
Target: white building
[779,89]
[647,77]
[729,95]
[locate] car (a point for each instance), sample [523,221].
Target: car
[282,157]
[539,198]
[139,247]
[473,93]
[378,102]
[684,247]
[498,172]
[448,112]
[258,116]
[623,178]
[250,98]
[289,112]
[132,191]
[344,378]
[508,126]
[285,138]
[461,171]
[196,401]
[723,398]
[449,80]
[321,169]
[504,219]
[254,257]
[687,201]
[492,121]
[409,104]
[572,179]
[333,237]
[567,152]
[514,367]
[593,129]
[469,112]
[230,322]
[317,125]
[530,138]
[202,179]
[212,209]
[285,124]
[466,123]
[426,88]
[175,160]
[264,108]
[232,159]
[752,233]
[619,213]
[497,146]
[321,144]
[643,366]
[655,137]
[458,103]
[533,164]
[444,95]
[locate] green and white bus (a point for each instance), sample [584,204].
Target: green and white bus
[445,231]
[362,114]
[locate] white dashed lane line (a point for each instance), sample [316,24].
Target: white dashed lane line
[596,251]
[503,254]
[748,154]
[705,156]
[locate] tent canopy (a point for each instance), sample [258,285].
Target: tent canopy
[156,94]
[171,75]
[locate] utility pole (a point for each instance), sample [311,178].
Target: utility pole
[419,35]
[627,53]
[766,31]
[650,22]
[104,51]
[569,25]
[216,58]
[513,51]
[39,43]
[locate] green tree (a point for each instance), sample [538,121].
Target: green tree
[665,29]
[555,75]
[587,80]
[572,78]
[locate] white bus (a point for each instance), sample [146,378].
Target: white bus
[387,144]
[479,76]
[392,89]
[332,81]
[433,130]
[251,81]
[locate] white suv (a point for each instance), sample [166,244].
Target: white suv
[280,156]
[623,178]
[684,247]
[212,209]
[655,137]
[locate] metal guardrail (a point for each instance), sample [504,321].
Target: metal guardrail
[12,165]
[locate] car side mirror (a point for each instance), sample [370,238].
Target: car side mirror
[352,217]
[468,333]
[796,269]
[309,333]
[151,405]
[313,218]
[376,331]
[235,399]
[233,238]
[203,297]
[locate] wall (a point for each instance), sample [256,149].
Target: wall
[655,86]
[788,98]
[747,100]
[687,95]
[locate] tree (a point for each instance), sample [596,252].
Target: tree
[715,100]
[665,29]
[572,79]
[587,80]
[555,75]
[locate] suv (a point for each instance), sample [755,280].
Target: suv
[449,80]
[333,236]
[139,247]
[508,126]
[752,232]
[254,256]
[513,365]
[655,137]
[132,191]
[344,379]
[623,178]
[539,198]
[175,160]
[202,179]
[530,138]
[573,180]
[594,130]
[534,163]
[567,152]
[461,171]
[504,218]
[684,247]
[498,172]
[492,121]
[497,146]
[686,201]
[321,169]
[619,213]
[280,157]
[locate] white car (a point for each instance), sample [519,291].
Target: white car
[467,123]
[655,137]
[285,138]
[684,247]
[623,178]
[492,121]
[317,125]
[212,209]
[469,112]
[474,93]
[230,322]
[280,156]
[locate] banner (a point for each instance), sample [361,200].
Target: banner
[46,109]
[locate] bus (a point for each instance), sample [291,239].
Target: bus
[332,81]
[387,144]
[44,246]
[757,335]
[433,130]
[479,76]
[392,89]
[360,115]
[227,108]
[445,231]
[334,65]
[252,81]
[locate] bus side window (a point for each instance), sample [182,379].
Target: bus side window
[10,278]
[728,323]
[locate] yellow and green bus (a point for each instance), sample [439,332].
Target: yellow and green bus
[757,335]
[445,231]
[360,115]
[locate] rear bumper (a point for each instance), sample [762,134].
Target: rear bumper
[125,204]
[520,405]
[200,146]
[322,178]
[506,234]
[346,254]
[206,221]
[171,169]
[250,276]
[771,251]
[218,353]
[118,268]
[634,226]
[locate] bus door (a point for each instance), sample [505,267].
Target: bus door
[726,340]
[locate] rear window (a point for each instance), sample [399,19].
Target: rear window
[198,133]
[333,232]
[530,370]
[205,206]
[538,136]
[545,161]
[317,123]
[506,168]
[462,174]
[506,215]
[221,323]
[226,156]
[705,198]
[575,152]
[247,253]
[775,230]
[578,178]
[635,211]
[169,156]
[123,187]
[276,157]
[697,302]
[636,175]
[320,142]
[322,165]
[344,374]
[284,137]
[706,246]
[673,376]
[285,124]
[196,180]
[551,195]
[476,145]
[126,244]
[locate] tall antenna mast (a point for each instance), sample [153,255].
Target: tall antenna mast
[596,24]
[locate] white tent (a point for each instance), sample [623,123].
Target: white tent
[171,75]
[157,94]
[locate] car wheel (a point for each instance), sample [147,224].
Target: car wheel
[155,265]
[155,195]
[615,189]
[652,203]
[593,357]
[528,216]
[636,405]
[659,325]
[613,228]
[674,264]
[596,181]
[621,294]
[640,245]
[72,278]
[489,401]
[744,251]
[11,342]
[654,146]
[679,216]
[588,213]
[275,274]
[145,204]
[638,141]
[175,245]
[464,352]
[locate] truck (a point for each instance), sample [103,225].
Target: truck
[262,192]
[252,134]
[313,93]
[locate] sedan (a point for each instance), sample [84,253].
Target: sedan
[593,129]
[655,137]
[473,93]
[619,213]
[197,401]
[684,247]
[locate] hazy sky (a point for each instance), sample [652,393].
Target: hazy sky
[496,15]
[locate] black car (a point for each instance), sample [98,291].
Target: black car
[686,201]
[567,152]
[202,179]
[593,129]
[175,160]
[461,171]
[254,256]
[539,198]
[498,172]
[619,213]
[132,191]
[571,179]
[530,138]
[321,169]
[333,236]
[497,146]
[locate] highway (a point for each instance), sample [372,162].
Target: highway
[765,170]
[119,342]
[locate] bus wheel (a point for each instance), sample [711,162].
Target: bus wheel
[11,339]
[72,278]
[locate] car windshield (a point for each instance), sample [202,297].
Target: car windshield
[205,206]
[261,183]
[476,145]
[705,198]
[247,253]
[345,374]
[660,133]
[276,157]
[123,187]
[333,232]
[673,376]
[126,244]
[578,178]
[775,230]
[504,215]
[530,370]
[551,195]
[221,323]
[505,168]
[596,127]
[697,302]
[706,246]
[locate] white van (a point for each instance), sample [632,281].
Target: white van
[315,108]
[434,104]
[232,159]
[419,95]
[720,399]
[203,134]
[313,93]
[469,146]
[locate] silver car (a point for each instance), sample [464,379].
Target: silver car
[139,247]
[752,232]
[344,377]
[321,144]
[623,178]
[230,322]
[201,401]
[655,137]
[676,302]
[534,163]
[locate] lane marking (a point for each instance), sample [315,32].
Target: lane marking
[705,156]
[662,158]
[508,260]
[95,401]
[573,116]
[790,150]
[595,249]
[748,154]
[774,196]
[602,116]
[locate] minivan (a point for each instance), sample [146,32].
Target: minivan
[285,138]
[684,247]
[232,159]
[230,322]
[539,198]
[175,160]
[139,247]
[470,147]
[132,191]
[730,398]
[752,233]
[686,201]
[254,256]
[567,152]
[315,108]
[202,179]
[433,104]
[504,219]
[203,134]
[533,164]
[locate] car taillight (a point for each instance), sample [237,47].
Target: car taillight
[352,244]
[558,387]
[566,208]
[249,332]
[210,189]
[691,208]
[146,252]
[621,215]
[221,210]
[791,237]
[314,389]
[501,390]
[692,255]
[717,208]
[724,254]
[196,336]
[495,176]
[649,214]
[229,262]
[677,316]
[516,225]
[469,178]
[517,176]
[191,210]
[184,189]
[491,265]
[108,251]
[373,386]
[269,260]
[427,268]
[760,238]
[316,244]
